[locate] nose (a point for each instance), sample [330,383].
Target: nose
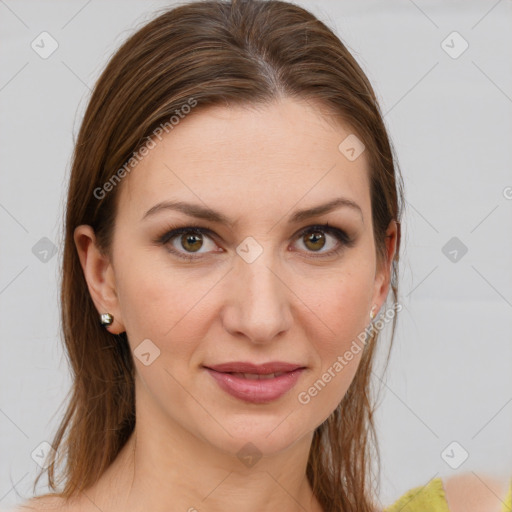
[257,306]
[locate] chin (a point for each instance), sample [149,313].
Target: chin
[263,434]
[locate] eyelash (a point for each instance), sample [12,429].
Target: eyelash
[173,231]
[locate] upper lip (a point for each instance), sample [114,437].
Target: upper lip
[259,369]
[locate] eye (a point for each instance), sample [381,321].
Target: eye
[186,241]
[314,239]
[190,238]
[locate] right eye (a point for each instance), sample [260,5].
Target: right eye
[191,239]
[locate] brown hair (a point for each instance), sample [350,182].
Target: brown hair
[216,53]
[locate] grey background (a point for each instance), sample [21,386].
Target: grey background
[450,121]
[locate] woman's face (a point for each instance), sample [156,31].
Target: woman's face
[262,286]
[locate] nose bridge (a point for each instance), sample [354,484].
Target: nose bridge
[259,302]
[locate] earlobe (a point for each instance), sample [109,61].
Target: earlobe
[99,275]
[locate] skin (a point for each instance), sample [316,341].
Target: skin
[256,166]
[476,492]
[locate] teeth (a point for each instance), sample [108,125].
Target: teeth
[256,376]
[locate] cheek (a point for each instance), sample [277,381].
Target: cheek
[159,303]
[144,299]
[340,316]
[341,307]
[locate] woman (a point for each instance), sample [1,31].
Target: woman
[236,373]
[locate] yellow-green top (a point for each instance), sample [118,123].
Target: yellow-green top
[431,498]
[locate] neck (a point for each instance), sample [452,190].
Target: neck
[163,470]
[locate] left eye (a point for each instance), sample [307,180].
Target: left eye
[313,237]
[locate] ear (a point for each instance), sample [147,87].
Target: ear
[99,274]
[383,275]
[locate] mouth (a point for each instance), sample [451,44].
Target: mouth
[256,383]
[256,376]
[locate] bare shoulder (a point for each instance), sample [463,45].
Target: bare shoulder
[48,503]
[473,492]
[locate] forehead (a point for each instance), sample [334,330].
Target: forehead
[247,160]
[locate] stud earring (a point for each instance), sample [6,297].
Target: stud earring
[372,314]
[106,319]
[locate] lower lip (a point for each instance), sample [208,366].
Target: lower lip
[256,391]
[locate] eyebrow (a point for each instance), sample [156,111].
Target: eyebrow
[205,213]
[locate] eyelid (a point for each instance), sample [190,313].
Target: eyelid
[344,239]
[174,231]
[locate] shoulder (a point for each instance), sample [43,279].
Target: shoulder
[466,492]
[48,502]
[472,492]
[428,497]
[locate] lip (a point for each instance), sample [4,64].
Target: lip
[255,390]
[260,369]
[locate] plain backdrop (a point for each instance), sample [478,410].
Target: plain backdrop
[443,75]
